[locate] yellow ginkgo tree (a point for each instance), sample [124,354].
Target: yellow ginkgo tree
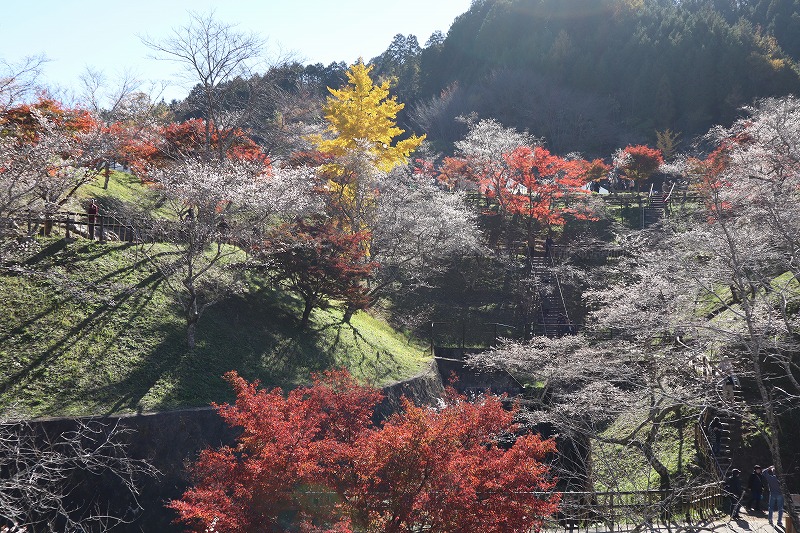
[362,142]
[361,115]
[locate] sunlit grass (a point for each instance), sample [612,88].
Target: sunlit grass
[90,328]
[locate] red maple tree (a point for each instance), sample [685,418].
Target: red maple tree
[443,470]
[638,163]
[286,441]
[541,186]
[25,122]
[320,262]
[313,457]
[161,146]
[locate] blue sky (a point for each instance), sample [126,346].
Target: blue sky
[104,34]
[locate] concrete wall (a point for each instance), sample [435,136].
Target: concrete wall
[171,440]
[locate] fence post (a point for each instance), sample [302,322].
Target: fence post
[611,513]
[100,219]
[67,224]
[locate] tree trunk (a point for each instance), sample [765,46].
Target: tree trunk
[106,173]
[190,334]
[192,314]
[306,314]
[348,314]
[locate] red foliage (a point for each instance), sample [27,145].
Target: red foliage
[22,121]
[444,470]
[454,171]
[539,184]
[285,443]
[188,139]
[709,173]
[596,170]
[320,262]
[639,162]
[315,452]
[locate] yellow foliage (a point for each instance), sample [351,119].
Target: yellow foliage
[667,142]
[362,114]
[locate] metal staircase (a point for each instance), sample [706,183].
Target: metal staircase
[553,318]
[656,208]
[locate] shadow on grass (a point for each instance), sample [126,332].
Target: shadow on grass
[96,320]
[59,303]
[249,333]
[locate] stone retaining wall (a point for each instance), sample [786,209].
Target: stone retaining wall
[170,440]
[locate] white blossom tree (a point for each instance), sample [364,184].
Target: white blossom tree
[44,162]
[216,209]
[719,286]
[419,227]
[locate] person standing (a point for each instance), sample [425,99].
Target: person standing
[775,495]
[756,486]
[92,212]
[548,246]
[728,389]
[733,489]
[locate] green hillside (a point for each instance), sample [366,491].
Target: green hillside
[89,328]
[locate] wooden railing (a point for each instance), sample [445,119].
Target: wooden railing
[630,511]
[70,223]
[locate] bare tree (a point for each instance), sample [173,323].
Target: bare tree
[43,471]
[222,61]
[122,111]
[18,80]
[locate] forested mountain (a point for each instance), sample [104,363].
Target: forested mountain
[592,75]
[585,75]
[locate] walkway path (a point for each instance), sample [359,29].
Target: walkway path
[746,523]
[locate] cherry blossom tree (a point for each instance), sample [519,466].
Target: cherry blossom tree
[218,208]
[47,153]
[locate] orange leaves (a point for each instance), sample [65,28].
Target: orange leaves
[285,442]
[439,470]
[26,122]
[187,139]
[443,470]
[531,182]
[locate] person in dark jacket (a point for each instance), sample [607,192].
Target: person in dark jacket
[756,486]
[715,435]
[92,211]
[775,495]
[733,491]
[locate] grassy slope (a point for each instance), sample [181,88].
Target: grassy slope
[89,328]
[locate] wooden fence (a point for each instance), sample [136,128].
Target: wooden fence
[629,511]
[71,223]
